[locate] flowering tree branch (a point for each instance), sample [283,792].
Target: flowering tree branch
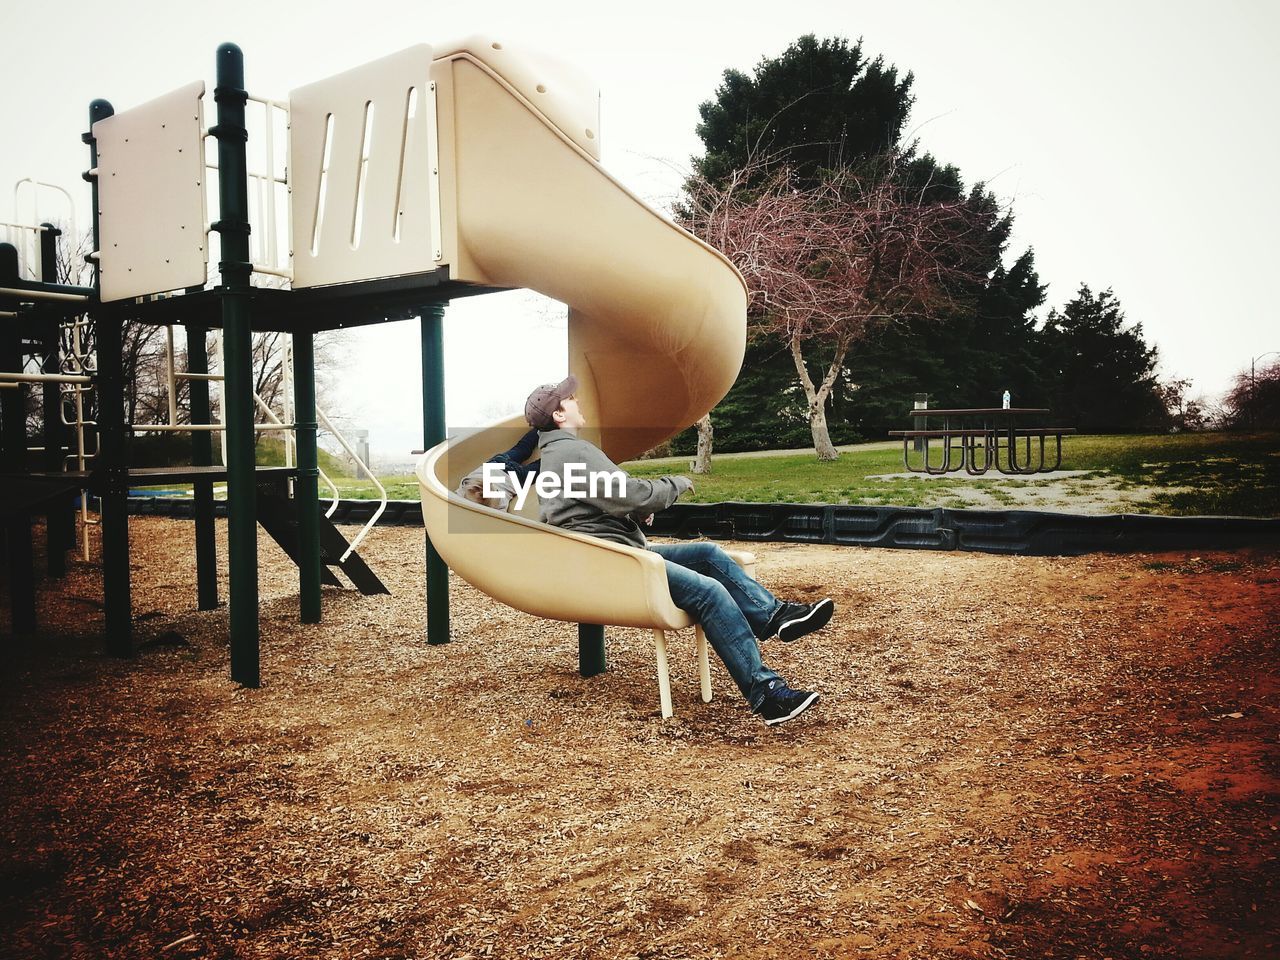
[824,262]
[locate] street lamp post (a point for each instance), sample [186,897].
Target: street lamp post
[1253,387]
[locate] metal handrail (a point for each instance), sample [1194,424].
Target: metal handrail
[264,193]
[36,185]
[291,438]
[28,247]
[382,491]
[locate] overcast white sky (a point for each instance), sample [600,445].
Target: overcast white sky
[1131,138]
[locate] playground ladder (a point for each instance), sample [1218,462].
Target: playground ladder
[274,423]
[280,519]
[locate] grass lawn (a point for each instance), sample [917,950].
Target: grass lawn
[1210,474]
[1178,475]
[400,487]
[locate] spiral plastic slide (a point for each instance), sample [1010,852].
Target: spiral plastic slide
[657,328]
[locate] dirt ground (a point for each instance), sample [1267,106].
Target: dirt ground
[1012,757]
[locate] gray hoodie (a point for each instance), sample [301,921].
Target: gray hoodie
[608,517]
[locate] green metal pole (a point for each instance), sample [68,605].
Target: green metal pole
[233,227]
[433,432]
[591,660]
[112,462]
[13,459]
[56,534]
[202,456]
[306,494]
[113,469]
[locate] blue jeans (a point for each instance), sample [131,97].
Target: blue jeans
[732,608]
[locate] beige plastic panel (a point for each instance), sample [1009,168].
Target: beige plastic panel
[381,223]
[657,329]
[151,206]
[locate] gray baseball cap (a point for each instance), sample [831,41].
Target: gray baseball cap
[545,400]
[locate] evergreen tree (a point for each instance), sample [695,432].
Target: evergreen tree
[819,106]
[1002,339]
[1102,374]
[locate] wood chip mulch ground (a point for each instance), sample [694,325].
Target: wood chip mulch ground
[1012,757]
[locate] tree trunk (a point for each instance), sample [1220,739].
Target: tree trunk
[702,461]
[822,444]
[816,397]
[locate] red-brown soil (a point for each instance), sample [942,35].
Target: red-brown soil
[1012,757]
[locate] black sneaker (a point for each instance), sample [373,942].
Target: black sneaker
[782,703]
[795,620]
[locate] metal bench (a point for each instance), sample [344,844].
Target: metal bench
[988,437]
[967,439]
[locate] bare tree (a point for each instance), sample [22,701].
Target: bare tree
[706,439]
[72,259]
[268,366]
[1253,400]
[1184,411]
[146,385]
[824,262]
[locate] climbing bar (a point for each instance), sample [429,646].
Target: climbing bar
[196,427]
[43,378]
[24,293]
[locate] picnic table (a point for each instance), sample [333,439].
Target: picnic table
[985,437]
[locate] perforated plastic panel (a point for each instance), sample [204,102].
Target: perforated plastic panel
[151,208]
[362,170]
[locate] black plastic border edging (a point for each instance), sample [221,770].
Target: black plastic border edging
[1026,532]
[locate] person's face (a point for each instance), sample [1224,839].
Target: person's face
[569,416]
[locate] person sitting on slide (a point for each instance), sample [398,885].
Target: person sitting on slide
[735,611]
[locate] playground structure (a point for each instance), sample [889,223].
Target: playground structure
[424,176]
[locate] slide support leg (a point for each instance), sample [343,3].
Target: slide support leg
[433,432]
[591,658]
[664,678]
[306,493]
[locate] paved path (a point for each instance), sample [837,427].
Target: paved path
[751,454]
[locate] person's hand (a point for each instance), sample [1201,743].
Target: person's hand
[648,521]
